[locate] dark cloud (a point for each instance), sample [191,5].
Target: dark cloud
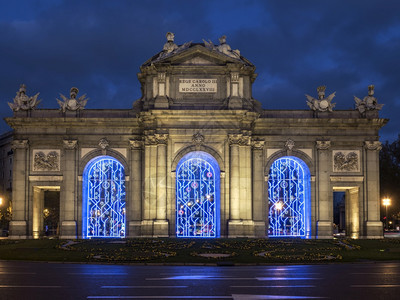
[98,46]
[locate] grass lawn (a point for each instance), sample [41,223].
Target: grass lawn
[208,251]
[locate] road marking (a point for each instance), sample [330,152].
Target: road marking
[374,273]
[159,297]
[285,278]
[199,277]
[143,286]
[18,273]
[94,273]
[272,286]
[30,286]
[376,286]
[261,297]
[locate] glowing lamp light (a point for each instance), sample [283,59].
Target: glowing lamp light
[279,205]
[1,201]
[386,202]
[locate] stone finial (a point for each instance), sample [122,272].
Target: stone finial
[22,101]
[373,145]
[322,103]
[323,145]
[368,103]
[72,103]
[70,144]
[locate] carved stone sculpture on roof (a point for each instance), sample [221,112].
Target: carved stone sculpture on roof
[24,102]
[170,46]
[223,47]
[72,103]
[322,103]
[368,103]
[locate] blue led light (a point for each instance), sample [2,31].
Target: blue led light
[288,193]
[197,196]
[104,198]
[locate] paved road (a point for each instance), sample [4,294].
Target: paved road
[19,280]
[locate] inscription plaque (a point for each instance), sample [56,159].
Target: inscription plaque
[197,85]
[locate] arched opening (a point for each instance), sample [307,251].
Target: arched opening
[197,196]
[289,198]
[103,206]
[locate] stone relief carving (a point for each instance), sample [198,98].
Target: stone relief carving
[322,103]
[104,144]
[198,138]
[70,144]
[373,145]
[323,145]
[72,103]
[346,161]
[46,160]
[24,102]
[289,145]
[368,103]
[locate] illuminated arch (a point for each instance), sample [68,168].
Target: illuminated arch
[197,196]
[103,207]
[289,198]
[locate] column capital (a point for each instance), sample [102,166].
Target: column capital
[258,144]
[323,145]
[239,139]
[373,145]
[136,144]
[70,144]
[19,144]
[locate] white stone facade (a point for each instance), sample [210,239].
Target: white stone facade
[196,98]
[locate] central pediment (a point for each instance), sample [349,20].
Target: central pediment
[197,76]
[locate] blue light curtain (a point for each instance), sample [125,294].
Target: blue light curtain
[197,196]
[103,204]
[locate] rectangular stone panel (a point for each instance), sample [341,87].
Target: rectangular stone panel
[346,160]
[46,160]
[197,85]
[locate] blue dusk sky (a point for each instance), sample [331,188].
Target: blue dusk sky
[98,46]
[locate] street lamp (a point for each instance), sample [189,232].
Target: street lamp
[386,203]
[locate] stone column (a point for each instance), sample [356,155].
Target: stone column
[371,170]
[161,223]
[324,193]
[134,212]
[68,201]
[353,213]
[37,212]
[18,225]
[149,184]
[234,224]
[259,213]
